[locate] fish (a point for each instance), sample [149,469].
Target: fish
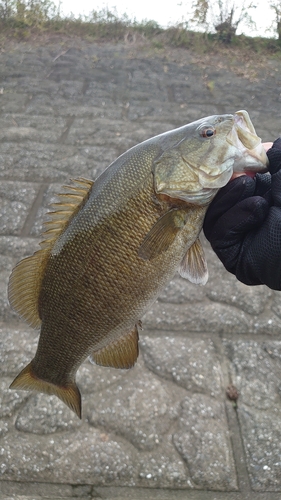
[109,247]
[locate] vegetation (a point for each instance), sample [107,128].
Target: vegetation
[23,19]
[224,16]
[276,6]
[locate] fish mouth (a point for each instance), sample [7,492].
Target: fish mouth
[251,156]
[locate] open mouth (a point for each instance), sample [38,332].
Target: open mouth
[252,156]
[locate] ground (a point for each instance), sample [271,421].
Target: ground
[165,429]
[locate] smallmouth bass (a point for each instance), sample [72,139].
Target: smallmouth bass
[112,245]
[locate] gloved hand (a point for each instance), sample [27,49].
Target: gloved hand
[243,225]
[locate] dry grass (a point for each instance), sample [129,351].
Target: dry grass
[38,21]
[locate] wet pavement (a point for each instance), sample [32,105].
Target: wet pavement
[165,429]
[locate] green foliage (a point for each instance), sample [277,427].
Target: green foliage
[7,9]
[27,12]
[24,18]
[180,36]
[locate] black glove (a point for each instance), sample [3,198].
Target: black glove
[243,225]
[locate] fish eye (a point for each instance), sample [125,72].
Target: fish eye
[207,132]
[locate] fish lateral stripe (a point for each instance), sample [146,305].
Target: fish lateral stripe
[69,395]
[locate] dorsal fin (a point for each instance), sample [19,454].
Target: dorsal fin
[70,203]
[24,287]
[121,353]
[26,278]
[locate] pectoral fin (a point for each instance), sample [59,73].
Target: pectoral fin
[162,234]
[194,266]
[121,353]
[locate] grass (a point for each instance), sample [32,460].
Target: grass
[28,19]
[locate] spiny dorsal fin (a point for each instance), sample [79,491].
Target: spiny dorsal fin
[26,278]
[70,203]
[122,353]
[194,266]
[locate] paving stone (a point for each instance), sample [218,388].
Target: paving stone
[81,109]
[31,127]
[16,199]
[276,306]
[255,369]
[209,316]
[192,364]
[203,442]
[92,378]
[68,109]
[16,248]
[40,105]
[10,400]
[12,102]
[4,428]
[261,435]
[30,489]
[52,163]
[17,348]
[197,317]
[91,132]
[93,456]
[181,291]
[221,289]
[140,408]
[164,468]
[18,134]
[44,414]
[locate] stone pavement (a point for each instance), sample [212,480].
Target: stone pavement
[165,429]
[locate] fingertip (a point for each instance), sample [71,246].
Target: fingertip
[267,145]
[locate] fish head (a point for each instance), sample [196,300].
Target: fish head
[206,155]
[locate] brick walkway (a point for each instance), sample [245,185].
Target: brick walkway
[164,430]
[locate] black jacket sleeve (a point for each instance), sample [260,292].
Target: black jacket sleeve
[243,225]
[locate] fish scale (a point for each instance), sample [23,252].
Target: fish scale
[113,245]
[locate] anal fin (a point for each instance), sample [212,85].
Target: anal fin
[121,353]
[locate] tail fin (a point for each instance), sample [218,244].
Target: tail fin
[28,381]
